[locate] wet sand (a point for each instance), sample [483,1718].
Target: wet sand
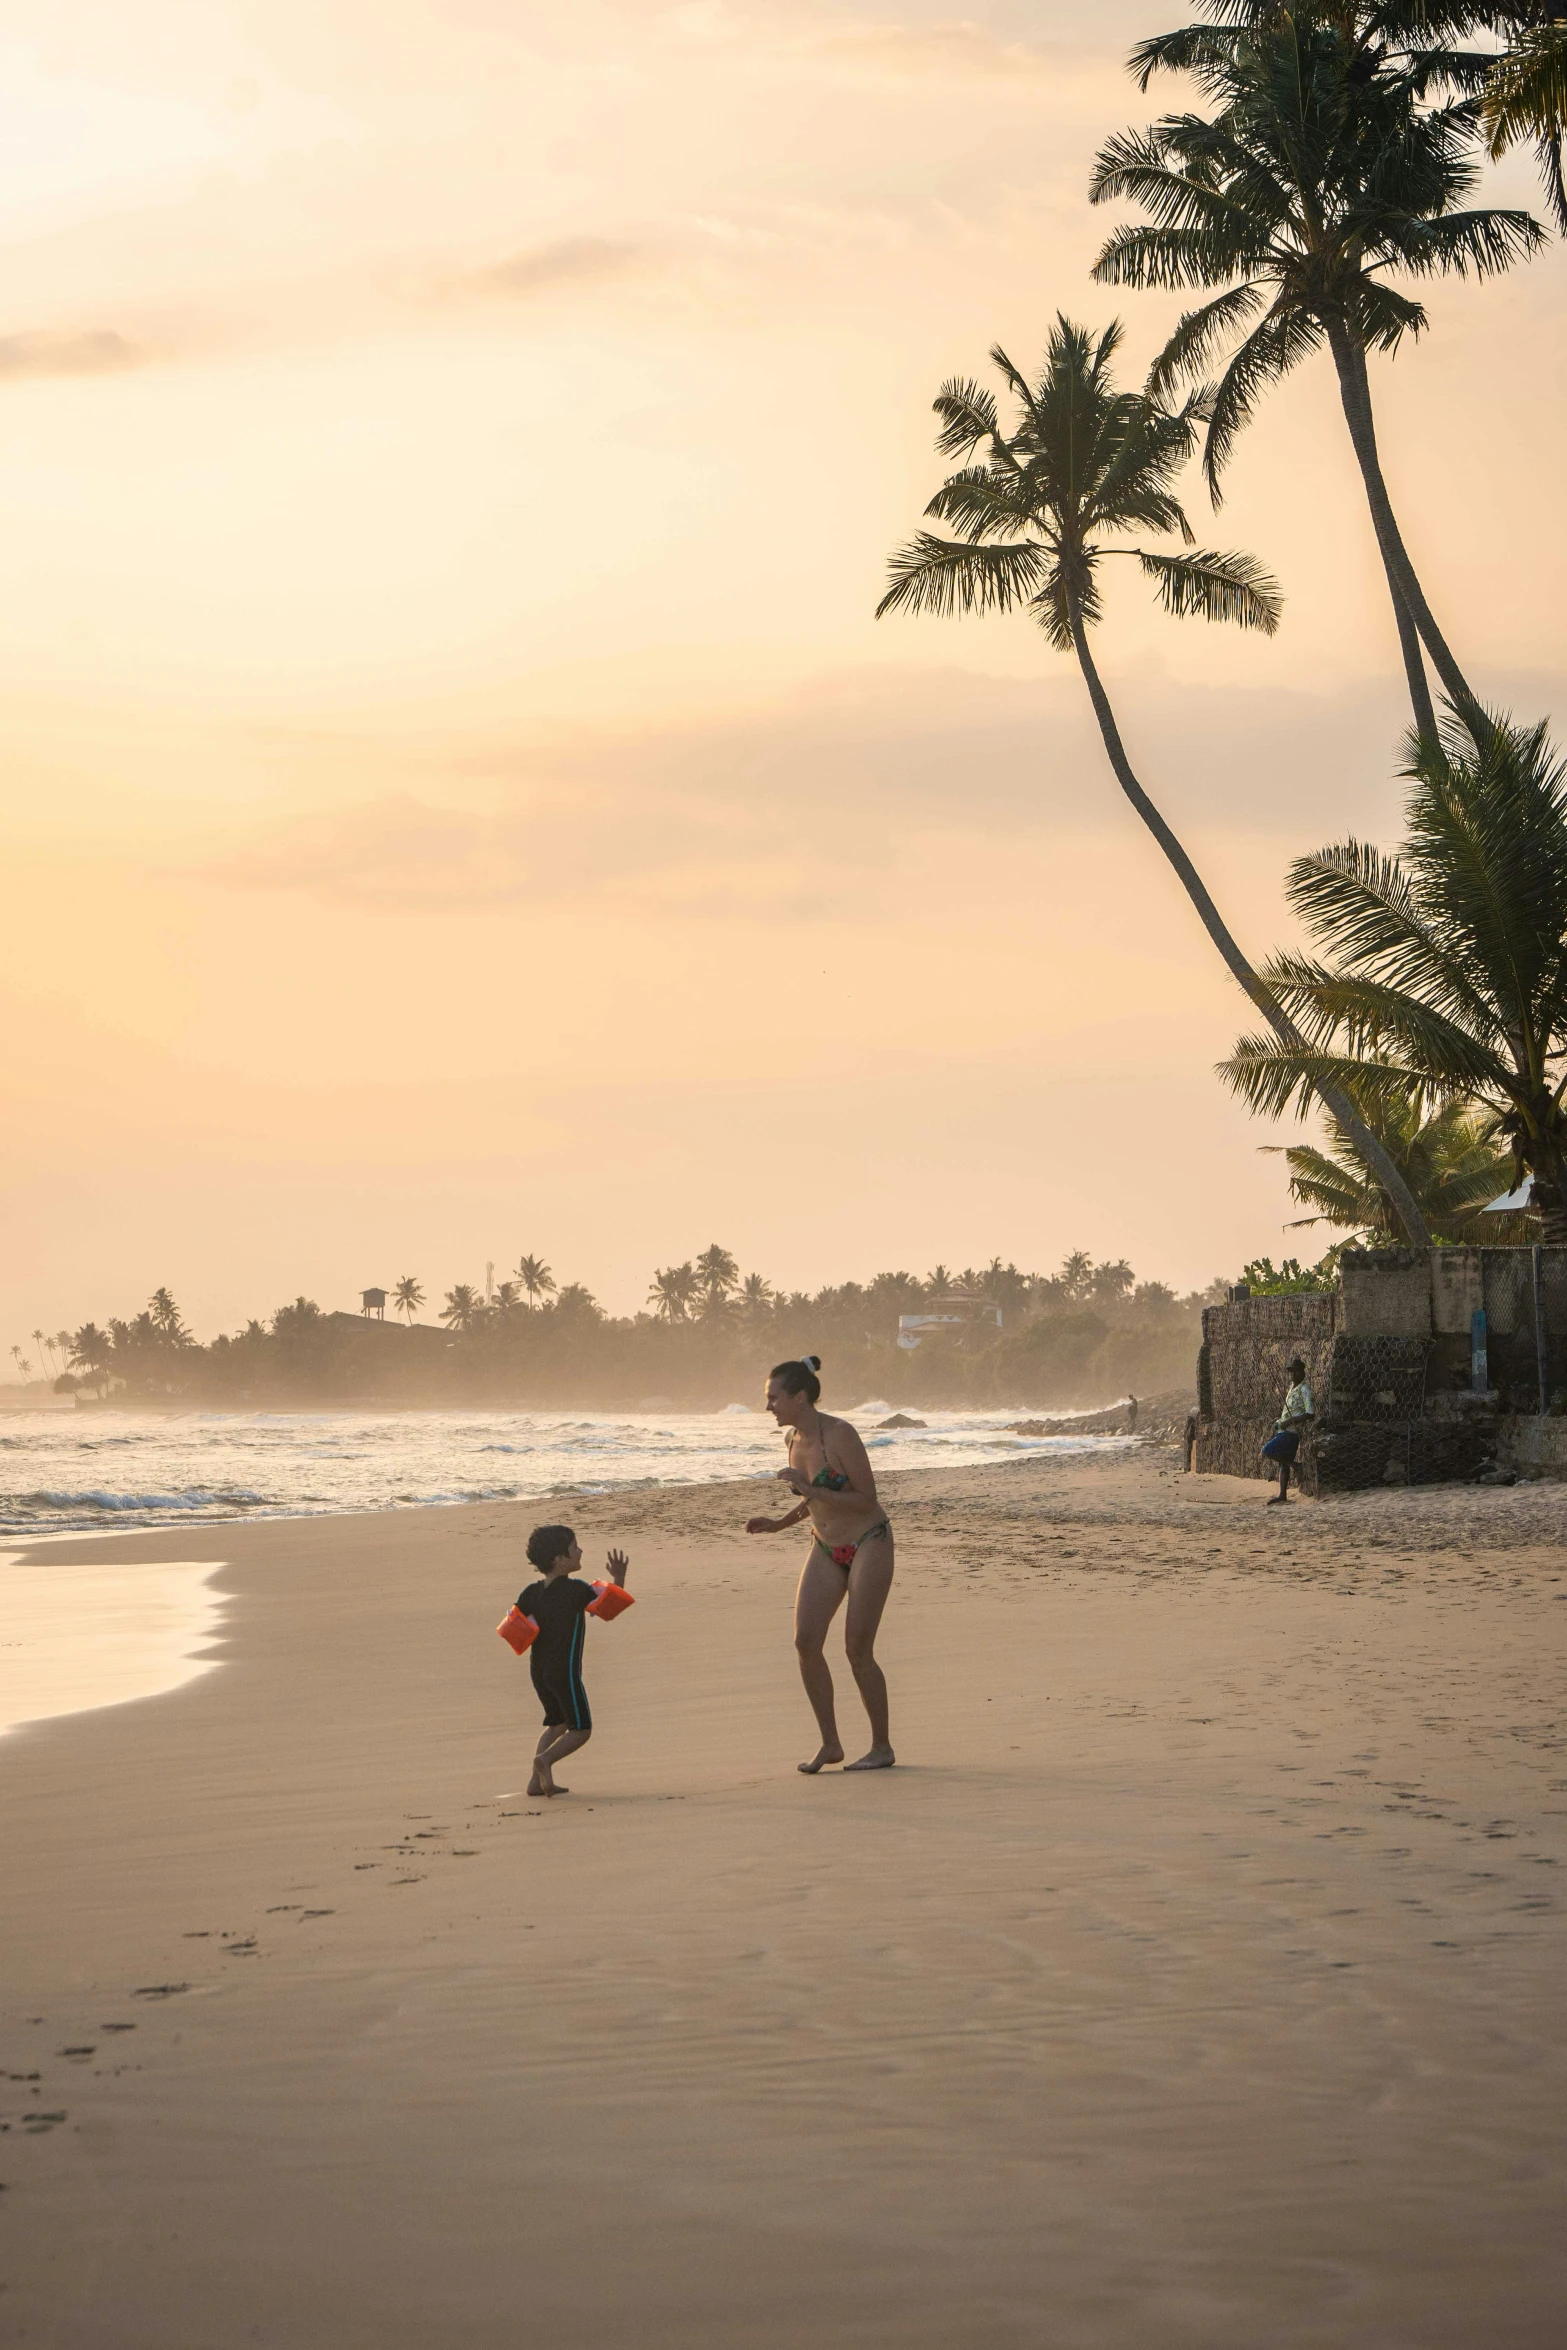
[1195,1980]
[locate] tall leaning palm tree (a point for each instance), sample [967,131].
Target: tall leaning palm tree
[1321,171]
[1039,516]
[1443,975]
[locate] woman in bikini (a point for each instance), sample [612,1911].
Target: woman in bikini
[851,1557]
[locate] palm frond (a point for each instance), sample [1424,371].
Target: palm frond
[1280,342]
[968,416]
[945,577]
[1465,244]
[1233,587]
[1197,336]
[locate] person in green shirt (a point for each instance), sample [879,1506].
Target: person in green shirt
[1293,1421]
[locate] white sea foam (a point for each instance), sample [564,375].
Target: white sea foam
[179,1468]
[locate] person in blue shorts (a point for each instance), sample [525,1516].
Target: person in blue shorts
[559,1605]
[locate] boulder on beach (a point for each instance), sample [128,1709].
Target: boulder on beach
[900,1420]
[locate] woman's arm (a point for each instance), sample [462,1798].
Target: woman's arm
[776,1525]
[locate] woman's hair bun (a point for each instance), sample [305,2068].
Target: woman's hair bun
[812,1362]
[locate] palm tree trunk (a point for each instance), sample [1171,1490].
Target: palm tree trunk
[1413,613]
[1337,1104]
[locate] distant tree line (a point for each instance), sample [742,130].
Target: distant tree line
[1086,1334]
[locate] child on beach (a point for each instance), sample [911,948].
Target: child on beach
[558,1605]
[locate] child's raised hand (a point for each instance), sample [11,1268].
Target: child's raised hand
[618,1563]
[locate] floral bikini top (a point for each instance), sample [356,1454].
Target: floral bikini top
[833,1480]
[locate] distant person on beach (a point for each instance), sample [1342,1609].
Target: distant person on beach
[1293,1421]
[851,1557]
[559,1605]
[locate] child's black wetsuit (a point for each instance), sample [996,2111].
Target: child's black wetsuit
[555,1659]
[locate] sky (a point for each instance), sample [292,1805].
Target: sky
[458,799]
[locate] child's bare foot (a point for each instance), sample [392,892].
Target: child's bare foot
[555,1788]
[536,1785]
[831,1753]
[880,1758]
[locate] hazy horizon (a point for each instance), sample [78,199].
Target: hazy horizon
[458,798]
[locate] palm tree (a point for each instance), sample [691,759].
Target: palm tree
[536,1278]
[1446,970]
[716,1274]
[23,1366]
[44,1345]
[407,1298]
[1449,1157]
[672,1291]
[1084,461]
[166,1319]
[91,1353]
[1526,95]
[507,1299]
[757,1297]
[463,1307]
[1320,172]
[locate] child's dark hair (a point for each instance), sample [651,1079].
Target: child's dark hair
[800,1378]
[548,1543]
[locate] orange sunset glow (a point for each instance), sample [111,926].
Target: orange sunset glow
[458,796]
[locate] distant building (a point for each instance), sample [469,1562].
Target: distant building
[960,1309]
[373,1301]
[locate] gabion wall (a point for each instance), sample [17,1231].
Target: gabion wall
[1388,1358]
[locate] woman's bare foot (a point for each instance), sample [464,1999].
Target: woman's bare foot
[831,1753]
[536,1785]
[880,1758]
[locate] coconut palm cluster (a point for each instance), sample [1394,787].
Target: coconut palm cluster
[1322,171]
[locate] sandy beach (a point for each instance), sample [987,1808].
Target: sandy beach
[1195,1980]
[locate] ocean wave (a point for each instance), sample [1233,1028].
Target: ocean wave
[191,1498]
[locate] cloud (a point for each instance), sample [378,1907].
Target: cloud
[862,773]
[561,262]
[83,351]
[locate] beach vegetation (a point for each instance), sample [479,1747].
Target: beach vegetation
[1441,975]
[1323,172]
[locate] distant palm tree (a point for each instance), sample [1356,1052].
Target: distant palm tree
[577,1303]
[22,1364]
[91,1353]
[407,1298]
[1446,970]
[463,1307]
[672,1292]
[757,1297]
[716,1274]
[939,1280]
[1321,171]
[536,1278]
[1036,519]
[166,1319]
[44,1345]
[507,1298]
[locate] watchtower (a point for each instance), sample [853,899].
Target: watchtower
[372,1304]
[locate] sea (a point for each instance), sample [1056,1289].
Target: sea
[98,1469]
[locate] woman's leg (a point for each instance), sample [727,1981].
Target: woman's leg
[870,1581]
[817,1601]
